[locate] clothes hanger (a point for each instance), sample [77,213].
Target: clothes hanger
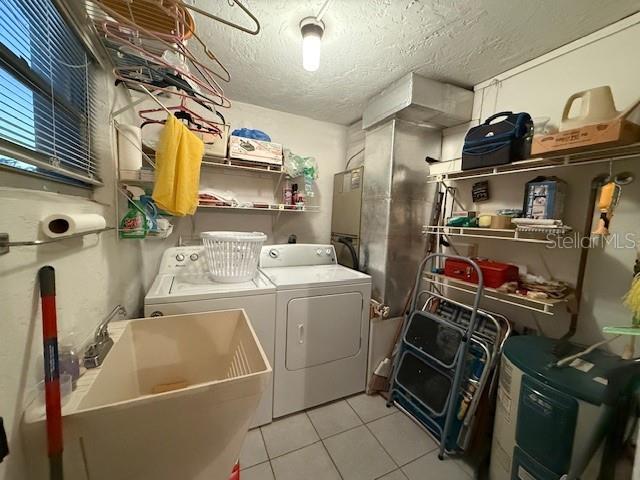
[177,24]
[208,136]
[205,140]
[192,124]
[156,73]
[146,75]
[116,33]
[161,22]
[173,75]
[231,3]
[129,38]
[182,17]
[186,113]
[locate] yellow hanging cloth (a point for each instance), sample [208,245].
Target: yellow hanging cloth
[178,159]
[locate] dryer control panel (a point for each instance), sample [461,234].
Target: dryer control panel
[297,254]
[184,260]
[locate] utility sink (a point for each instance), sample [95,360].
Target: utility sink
[210,372]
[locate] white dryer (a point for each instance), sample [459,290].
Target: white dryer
[183,286]
[322,326]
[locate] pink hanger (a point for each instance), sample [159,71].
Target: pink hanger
[115,32]
[211,127]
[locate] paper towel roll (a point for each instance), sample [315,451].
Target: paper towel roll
[62,225]
[129,147]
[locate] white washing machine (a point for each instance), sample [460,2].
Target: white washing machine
[183,286]
[322,326]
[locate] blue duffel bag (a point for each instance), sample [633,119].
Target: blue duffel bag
[498,142]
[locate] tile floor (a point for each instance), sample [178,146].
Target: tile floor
[357,438]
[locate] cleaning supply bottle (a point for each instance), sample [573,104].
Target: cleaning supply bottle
[135,223]
[151,212]
[287,194]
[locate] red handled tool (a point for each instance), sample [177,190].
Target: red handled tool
[47,277]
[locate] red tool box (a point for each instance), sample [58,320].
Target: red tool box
[494,273]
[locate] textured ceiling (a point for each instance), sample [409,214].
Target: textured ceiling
[370,43]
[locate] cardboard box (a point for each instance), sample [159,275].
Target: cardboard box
[599,135]
[255,150]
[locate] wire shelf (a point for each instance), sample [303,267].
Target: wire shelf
[612,154]
[268,208]
[545,306]
[513,235]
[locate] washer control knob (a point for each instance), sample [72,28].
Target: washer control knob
[180,257]
[319,252]
[328,251]
[194,257]
[273,253]
[157,314]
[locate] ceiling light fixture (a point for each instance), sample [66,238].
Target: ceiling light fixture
[312,29]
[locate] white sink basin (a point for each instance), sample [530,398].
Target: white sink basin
[116,428]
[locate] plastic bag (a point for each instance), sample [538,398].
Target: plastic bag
[301,166]
[251,133]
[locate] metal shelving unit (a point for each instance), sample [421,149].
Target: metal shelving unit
[231,165]
[271,208]
[494,234]
[137,177]
[450,171]
[544,306]
[605,155]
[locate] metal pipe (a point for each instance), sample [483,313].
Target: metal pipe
[5,244]
[101,331]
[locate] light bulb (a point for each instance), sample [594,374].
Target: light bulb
[311,52]
[312,31]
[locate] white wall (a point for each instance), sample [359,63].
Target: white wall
[93,275]
[322,140]
[98,272]
[325,141]
[541,87]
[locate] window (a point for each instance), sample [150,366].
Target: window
[44,94]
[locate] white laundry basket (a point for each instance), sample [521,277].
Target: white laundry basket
[233,256]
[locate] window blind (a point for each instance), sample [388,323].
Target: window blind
[44,94]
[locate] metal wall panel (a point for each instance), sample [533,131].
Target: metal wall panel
[396,204]
[420,99]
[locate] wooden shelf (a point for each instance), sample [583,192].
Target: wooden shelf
[612,154]
[536,305]
[494,234]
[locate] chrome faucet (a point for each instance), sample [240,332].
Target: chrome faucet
[95,353]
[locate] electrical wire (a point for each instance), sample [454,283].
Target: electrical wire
[323,10]
[352,157]
[584,352]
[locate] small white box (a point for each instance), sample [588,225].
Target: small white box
[255,150]
[215,145]
[442,168]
